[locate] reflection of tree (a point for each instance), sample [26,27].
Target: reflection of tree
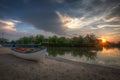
[84,52]
[87,52]
[55,51]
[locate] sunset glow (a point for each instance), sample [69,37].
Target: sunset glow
[103,40]
[67,17]
[76,38]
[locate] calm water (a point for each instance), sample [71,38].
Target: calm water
[104,56]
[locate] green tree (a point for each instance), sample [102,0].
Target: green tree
[3,40]
[40,39]
[90,40]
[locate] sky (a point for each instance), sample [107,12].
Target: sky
[66,18]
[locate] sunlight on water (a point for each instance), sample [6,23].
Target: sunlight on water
[110,51]
[105,56]
[110,57]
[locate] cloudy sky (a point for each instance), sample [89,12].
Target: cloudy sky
[68,18]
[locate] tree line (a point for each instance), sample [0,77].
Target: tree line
[90,40]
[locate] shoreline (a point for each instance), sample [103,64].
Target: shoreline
[53,68]
[79,63]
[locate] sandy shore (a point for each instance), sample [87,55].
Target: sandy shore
[13,68]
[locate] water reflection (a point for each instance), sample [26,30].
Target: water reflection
[102,56]
[90,54]
[109,56]
[111,51]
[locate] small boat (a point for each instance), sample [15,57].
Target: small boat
[37,54]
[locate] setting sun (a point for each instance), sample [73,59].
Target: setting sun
[103,40]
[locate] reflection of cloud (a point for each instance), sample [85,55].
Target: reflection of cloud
[101,62]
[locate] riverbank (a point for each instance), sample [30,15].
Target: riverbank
[13,68]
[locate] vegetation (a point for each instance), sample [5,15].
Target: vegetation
[90,40]
[3,41]
[54,41]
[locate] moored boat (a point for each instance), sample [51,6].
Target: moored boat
[37,54]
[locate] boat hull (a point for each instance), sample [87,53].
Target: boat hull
[37,56]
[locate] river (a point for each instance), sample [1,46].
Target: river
[104,56]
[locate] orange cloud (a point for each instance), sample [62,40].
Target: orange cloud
[7,25]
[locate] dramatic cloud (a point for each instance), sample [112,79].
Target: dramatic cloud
[48,21]
[7,25]
[9,31]
[101,17]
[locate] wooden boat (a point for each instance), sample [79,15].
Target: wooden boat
[30,54]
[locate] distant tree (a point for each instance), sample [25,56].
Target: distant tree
[53,40]
[90,40]
[3,41]
[13,42]
[74,41]
[62,41]
[39,39]
[80,40]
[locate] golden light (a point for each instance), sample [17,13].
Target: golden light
[8,25]
[103,40]
[70,22]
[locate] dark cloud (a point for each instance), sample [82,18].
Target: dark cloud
[48,21]
[115,12]
[42,13]
[89,8]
